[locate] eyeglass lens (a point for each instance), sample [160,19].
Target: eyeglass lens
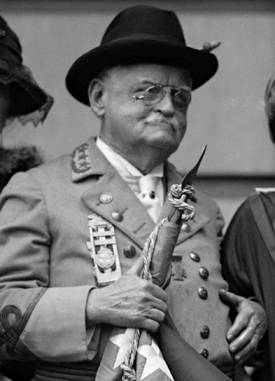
[155,94]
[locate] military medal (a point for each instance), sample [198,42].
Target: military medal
[103,249]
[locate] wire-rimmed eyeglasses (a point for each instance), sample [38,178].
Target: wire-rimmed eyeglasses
[181,98]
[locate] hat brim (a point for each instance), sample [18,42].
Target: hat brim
[26,96]
[201,64]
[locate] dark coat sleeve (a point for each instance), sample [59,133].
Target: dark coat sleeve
[249,268]
[241,254]
[246,260]
[235,248]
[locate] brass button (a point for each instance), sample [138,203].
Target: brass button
[106,198]
[194,256]
[204,273]
[204,353]
[117,216]
[202,292]
[204,332]
[129,251]
[186,227]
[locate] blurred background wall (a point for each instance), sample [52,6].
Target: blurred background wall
[226,114]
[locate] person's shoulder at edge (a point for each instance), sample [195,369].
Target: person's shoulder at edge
[258,192]
[49,172]
[244,211]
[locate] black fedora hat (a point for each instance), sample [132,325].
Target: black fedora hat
[29,102]
[140,34]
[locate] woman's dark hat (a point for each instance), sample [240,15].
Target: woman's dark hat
[28,101]
[140,34]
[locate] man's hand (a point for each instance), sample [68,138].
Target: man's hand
[128,302]
[248,328]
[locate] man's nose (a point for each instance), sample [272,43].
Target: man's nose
[166,104]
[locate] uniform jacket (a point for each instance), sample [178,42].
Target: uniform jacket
[249,263]
[46,270]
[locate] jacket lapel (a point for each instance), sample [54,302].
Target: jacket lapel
[108,195]
[135,221]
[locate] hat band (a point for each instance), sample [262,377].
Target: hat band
[164,38]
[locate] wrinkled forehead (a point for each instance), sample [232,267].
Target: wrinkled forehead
[155,73]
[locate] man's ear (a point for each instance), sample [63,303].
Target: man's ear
[96,92]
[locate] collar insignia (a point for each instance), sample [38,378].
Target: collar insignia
[81,162]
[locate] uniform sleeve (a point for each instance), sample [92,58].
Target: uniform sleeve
[36,321]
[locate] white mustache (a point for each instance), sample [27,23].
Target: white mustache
[160,119]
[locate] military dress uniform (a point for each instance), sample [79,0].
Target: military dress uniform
[47,272]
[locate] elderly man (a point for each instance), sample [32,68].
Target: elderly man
[55,309]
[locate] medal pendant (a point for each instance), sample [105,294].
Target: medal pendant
[103,249]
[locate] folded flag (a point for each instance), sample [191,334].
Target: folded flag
[115,352]
[150,364]
[121,339]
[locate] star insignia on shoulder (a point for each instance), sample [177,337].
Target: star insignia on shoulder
[81,159]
